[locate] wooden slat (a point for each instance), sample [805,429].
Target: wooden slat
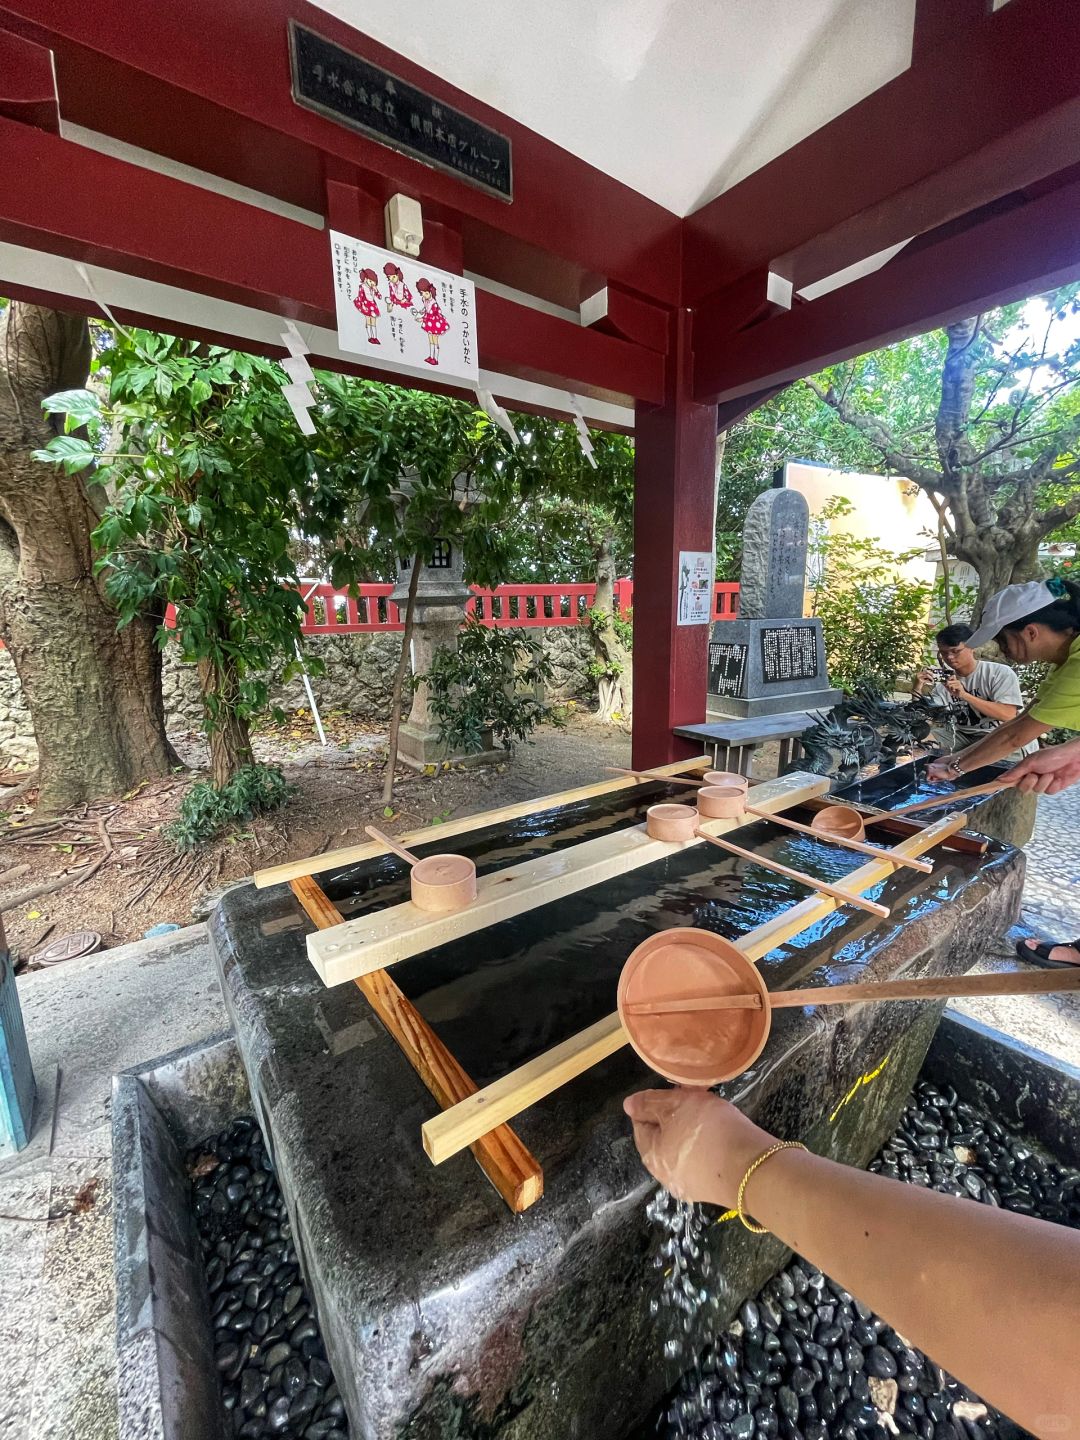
[353,854]
[512,1169]
[446,1134]
[371,942]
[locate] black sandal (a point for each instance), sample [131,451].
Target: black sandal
[1039,954]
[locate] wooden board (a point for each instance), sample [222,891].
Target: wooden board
[369,850]
[372,942]
[512,1169]
[451,1131]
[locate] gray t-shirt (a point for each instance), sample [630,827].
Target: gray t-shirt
[989,681]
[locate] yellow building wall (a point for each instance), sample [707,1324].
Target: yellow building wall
[891,512]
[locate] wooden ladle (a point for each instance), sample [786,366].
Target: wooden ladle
[438,883]
[697,1010]
[990,788]
[819,833]
[845,897]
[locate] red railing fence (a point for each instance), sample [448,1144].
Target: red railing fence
[508,607]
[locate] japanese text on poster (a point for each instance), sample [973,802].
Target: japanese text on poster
[695,587]
[400,314]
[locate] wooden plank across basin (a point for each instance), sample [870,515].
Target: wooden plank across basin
[372,849]
[371,942]
[508,1164]
[446,1134]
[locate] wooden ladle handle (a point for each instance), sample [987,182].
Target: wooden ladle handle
[384,839]
[934,987]
[845,897]
[859,846]
[990,788]
[644,775]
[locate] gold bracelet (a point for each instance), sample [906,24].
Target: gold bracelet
[752,1225]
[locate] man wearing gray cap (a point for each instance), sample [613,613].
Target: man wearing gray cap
[1040,621]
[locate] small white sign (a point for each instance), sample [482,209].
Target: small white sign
[695,587]
[400,314]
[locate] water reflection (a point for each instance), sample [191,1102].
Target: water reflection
[504,994]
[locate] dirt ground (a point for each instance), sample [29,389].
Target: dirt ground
[119,877]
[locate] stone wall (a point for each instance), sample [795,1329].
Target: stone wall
[358,679]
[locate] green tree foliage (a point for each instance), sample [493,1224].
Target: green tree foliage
[873,619]
[793,425]
[487,686]
[209,477]
[984,417]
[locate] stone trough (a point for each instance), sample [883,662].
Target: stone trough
[445,1315]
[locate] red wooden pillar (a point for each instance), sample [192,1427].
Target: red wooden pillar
[675,450]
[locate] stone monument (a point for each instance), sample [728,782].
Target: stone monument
[771,660]
[441,594]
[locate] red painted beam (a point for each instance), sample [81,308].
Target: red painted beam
[619,313]
[987,112]
[181,80]
[51,198]
[27,84]
[939,21]
[1016,252]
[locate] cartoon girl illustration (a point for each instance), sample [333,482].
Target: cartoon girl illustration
[397,292]
[434,322]
[366,302]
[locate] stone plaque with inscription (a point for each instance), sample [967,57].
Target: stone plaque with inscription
[774,556]
[771,660]
[727,668]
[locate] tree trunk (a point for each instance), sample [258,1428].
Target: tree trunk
[227,732]
[615,688]
[93,692]
[399,682]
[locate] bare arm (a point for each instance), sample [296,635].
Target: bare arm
[993,1297]
[1000,742]
[1047,771]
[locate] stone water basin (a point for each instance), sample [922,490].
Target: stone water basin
[443,1314]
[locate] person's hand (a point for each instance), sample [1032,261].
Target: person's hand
[698,1146]
[955,689]
[924,680]
[941,768]
[1048,771]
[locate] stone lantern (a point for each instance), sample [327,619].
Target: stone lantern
[438,613]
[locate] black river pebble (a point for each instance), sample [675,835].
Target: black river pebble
[275,1378]
[805,1360]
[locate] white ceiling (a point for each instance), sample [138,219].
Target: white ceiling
[679,99]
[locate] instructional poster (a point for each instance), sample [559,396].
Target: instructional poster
[400,314]
[695,587]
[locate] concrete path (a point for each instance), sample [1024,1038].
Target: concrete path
[85,1021]
[1051,907]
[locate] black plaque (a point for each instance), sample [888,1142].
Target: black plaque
[727,669]
[352,91]
[788,652]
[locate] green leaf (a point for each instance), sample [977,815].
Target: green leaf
[82,406]
[200,390]
[67,450]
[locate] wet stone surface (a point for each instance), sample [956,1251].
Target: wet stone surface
[275,1379]
[805,1358]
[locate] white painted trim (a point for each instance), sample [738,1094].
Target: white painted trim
[53,273]
[522,297]
[163,165]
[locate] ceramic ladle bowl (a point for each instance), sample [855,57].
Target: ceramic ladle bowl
[697,1011]
[440,884]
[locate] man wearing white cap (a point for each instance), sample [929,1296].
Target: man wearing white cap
[1037,621]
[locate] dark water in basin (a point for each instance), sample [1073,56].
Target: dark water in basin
[506,993]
